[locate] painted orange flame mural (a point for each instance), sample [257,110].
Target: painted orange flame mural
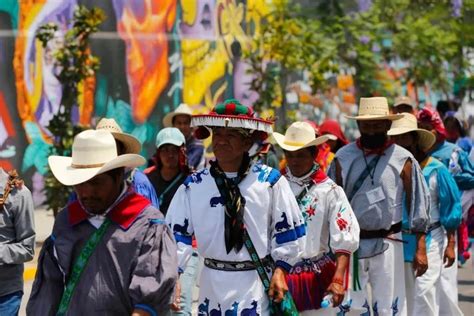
[143,27]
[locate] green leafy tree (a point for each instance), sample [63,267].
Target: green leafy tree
[426,35]
[326,37]
[288,44]
[73,63]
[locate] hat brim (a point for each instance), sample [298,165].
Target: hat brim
[132,145]
[168,119]
[426,139]
[403,103]
[280,140]
[68,175]
[331,136]
[391,117]
[204,122]
[171,142]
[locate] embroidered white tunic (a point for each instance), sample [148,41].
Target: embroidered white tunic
[272,219]
[330,222]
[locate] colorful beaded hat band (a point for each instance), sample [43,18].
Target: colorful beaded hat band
[231,114]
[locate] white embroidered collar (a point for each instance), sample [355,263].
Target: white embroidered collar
[303,180]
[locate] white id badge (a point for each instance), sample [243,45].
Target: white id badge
[375,195]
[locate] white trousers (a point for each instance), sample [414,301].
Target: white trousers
[448,289]
[384,275]
[422,291]
[428,295]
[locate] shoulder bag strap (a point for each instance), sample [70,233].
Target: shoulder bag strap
[80,265]
[169,187]
[363,176]
[287,307]
[357,185]
[256,260]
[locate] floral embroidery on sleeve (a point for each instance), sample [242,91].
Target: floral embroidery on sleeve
[341,222]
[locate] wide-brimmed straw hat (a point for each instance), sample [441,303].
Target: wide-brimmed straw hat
[374,108]
[408,124]
[298,136]
[231,114]
[182,109]
[93,152]
[131,144]
[404,100]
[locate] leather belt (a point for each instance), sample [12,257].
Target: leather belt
[381,233]
[235,265]
[434,226]
[430,228]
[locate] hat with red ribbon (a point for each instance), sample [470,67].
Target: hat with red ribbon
[231,114]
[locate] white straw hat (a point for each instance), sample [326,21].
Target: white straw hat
[93,152]
[407,124]
[132,145]
[375,108]
[182,109]
[299,135]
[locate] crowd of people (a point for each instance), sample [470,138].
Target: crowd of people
[377,226]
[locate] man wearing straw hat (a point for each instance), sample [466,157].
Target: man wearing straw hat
[128,144]
[181,119]
[462,170]
[445,217]
[380,178]
[236,208]
[404,104]
[332,231]
[110,252]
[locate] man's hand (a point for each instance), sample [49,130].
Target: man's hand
[175,306]
[278,286]
[336,288]
[337,292]
[449,256]
[420,262]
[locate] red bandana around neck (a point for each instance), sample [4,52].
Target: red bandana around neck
[123,214]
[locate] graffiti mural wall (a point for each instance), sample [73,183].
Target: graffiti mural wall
[154,55]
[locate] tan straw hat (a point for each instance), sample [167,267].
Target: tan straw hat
[374,108]
[299,135]
[407,124]
[93,152]
[132,145]
[404,100]
[182,109]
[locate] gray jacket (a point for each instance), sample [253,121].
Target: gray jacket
[379,202]
[135,264]
[17,236]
